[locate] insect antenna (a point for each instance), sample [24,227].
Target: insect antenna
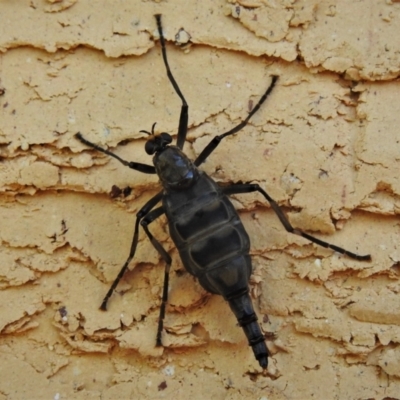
[152,130]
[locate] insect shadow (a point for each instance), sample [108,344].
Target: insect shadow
[203,224]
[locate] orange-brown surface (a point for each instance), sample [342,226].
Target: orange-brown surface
[325,145]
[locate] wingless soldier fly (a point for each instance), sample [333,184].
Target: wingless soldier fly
[204,225]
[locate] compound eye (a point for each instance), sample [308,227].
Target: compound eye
[166,137]
[150,147]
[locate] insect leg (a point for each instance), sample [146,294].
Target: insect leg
[150,217]
[147,169]
[217,139]
[139,216]
[248,188]
[183,119]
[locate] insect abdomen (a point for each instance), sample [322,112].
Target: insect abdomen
[214,247]
[209,235]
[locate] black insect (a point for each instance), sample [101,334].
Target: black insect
[204,225]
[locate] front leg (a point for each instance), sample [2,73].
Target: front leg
[202,157]
[184,116]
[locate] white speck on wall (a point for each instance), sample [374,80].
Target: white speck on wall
[71,117]
[169,370]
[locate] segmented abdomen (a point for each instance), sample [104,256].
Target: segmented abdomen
[210,237]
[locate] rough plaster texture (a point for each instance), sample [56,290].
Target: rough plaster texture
[326,146]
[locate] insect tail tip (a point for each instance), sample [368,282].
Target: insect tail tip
[158,18]
[263,361]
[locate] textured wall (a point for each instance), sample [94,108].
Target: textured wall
[325,145]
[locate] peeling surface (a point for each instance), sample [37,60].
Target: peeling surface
[325,146]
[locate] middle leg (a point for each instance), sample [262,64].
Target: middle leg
[249,187]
